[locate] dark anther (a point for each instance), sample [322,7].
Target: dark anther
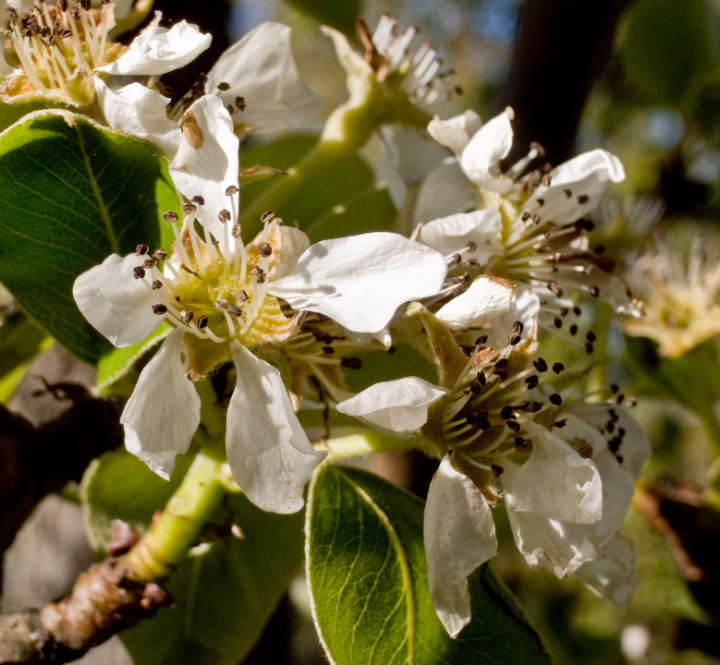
[157,284]
[594,291]
[201,322]
[518,327]
[614,444]
[159,309]
[188,209]
[481,378]
[223,86]
[351,363]
[160,254]
[560,423]
[555,399]
[532,381]
[139,272]
[525,216]
[515,427]
[186,316]
[546,180]
[231,190]
[536,219]
[475,387]
[258,273]
[198,199]
[621,432]
[590,336]
[599,249]
[235,311]
[149,263]
[538,149]
[240,103]
[454,260]
[520,442]
[541,202]
[567,192]
[564,311]
[535,407]
[577,311]
[555,289]
[558,367]
[502,363]
[141,249]
[557,322]
[583,198]
[327,350]
[506,413]
[471,246]
[170,216]
[473,262]
[573,329]
[235,231]
[264,249]
[497,470]
[632,401]
[224,216]
[589,348]
[514,339]
[614,388]
[620,398]
[540,365]
[391,350]
[241,296]
[221,304]
[610,426]
[267,216]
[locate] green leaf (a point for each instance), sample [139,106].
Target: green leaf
[72,193]
[337,184]
[227,588]
[368,582]
[21,339]
[338,15]
[667,45]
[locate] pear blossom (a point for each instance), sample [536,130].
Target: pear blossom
[534,234]
[223,300]
[59,51]
[567,471]
[255,79]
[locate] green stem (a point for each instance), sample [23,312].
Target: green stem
[357,445]
[170,537]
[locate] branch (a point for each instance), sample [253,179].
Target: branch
[103,602]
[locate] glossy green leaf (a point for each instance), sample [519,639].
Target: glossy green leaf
[336,184]
[338,15]
[227,588]
[368,582]
[667,45]
[72,193]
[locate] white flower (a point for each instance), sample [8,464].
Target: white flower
[58,50]
[222,299]
[567,485]
[255,79]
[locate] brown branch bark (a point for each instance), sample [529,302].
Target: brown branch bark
[103,602]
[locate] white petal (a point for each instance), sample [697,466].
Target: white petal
[486,298]
[611,573]
[141,112]
[290,246]
[163,413]
[260,69]
[352,62]
[115,303]
[452,234]
[206,163]
[399,406]
[445,190]
[456,132]
[585,177]
[524,307]
[459,536]
[360,281]
[481,157]
[270,456]
[557,482]
[157,50]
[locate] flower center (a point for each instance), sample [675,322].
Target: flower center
[58,47]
